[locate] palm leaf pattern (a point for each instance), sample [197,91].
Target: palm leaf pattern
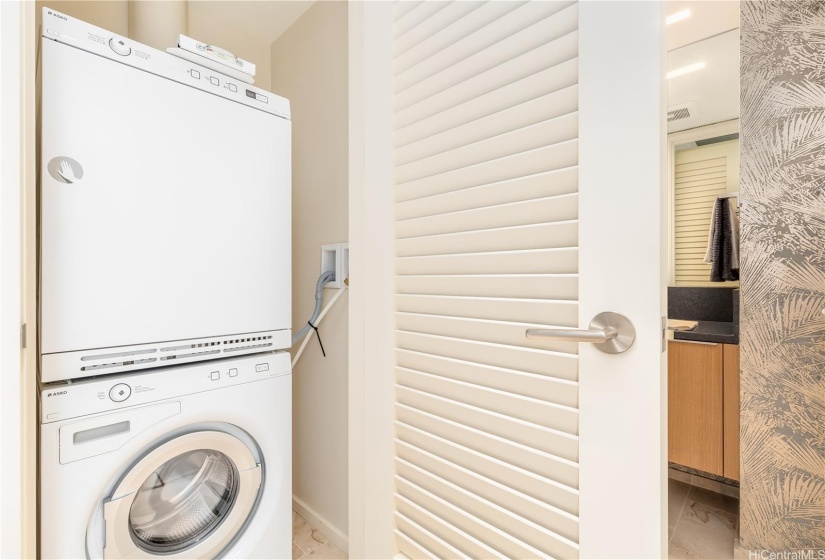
[783,274]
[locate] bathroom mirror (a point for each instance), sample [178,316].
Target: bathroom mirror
[703,142]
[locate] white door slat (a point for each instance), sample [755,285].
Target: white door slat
[557,182]
[528,384]
[480,330]
[540,236]
[545,210]
[530,261]
[485,532]
[536,311]
[543,108]
[553,131]
[539,160]
[485,51]
[458,20]
[548,440]
[530,360]
[537,286]
[444,531]
[525,469]
[411,547]
[528,506]
[490,39]
[516,531]
[547,55]
[548,80]
[416,17]
[529,409]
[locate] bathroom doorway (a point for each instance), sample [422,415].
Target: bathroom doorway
[703,294]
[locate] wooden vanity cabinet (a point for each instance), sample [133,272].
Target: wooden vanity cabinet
[703,406]
[731,407]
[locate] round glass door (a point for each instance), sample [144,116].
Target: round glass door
[183,501]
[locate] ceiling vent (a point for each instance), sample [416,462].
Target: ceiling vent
[681,112]
[678,114]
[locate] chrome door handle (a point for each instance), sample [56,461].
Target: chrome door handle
[612,332]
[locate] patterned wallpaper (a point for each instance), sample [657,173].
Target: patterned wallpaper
[783,274]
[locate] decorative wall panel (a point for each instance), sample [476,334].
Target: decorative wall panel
[783,275]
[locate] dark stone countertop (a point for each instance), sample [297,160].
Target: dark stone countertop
[711,331]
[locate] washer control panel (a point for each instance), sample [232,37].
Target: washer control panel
[120,392]
[61,401]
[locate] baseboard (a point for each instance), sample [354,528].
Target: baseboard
[333,533]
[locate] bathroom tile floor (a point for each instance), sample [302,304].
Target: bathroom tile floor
[702,524]
[308,542]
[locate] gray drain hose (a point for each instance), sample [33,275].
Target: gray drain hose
[325,277]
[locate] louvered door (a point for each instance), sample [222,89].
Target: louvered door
[511,124]
[485,154]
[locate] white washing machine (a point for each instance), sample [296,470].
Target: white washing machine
[186,462]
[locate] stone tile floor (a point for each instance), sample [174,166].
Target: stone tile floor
[308,542]
[702,524]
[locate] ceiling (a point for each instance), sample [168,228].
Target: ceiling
[707,18]
[264,21]
[710,36]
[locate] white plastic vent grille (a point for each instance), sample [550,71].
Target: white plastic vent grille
[143,356]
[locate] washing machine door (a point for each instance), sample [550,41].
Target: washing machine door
[188,498]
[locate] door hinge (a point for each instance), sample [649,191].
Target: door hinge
[23,336]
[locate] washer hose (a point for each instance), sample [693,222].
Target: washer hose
[325,277]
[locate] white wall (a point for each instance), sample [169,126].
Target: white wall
[309,66]
[18,402]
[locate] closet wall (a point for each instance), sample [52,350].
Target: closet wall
[310,67]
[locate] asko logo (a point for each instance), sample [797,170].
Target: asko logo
[56,393]
[61,16]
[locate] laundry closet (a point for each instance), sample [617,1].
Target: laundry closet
[193,218]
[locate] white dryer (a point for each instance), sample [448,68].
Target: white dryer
[165,205]
[186,462]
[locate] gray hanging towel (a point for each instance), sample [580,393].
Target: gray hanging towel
[723,262]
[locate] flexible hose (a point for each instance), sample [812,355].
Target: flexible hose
[325,277]
[329,305]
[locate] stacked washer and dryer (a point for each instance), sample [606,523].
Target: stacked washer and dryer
[165,305]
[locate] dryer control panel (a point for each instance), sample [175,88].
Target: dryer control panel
[70,31]
[60,401]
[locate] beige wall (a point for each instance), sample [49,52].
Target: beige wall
[309,66]
[108,14]
[114,16]
[204,27]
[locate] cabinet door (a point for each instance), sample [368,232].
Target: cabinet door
[731,396]
[695,405]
